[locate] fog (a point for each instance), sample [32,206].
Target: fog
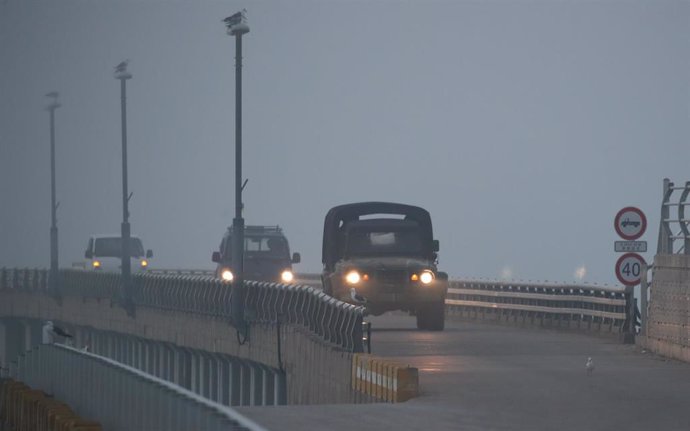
[522,126]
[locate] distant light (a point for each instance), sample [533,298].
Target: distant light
[96,264]
[580,273]
[144,263]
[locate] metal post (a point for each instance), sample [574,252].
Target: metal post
[122,74]
[236,26]
[629,331]
[665,241]
[238,221]
[684,222]
[644,292]
[53,282]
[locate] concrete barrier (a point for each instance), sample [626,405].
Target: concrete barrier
[667,329]
[22,408]
[383,379]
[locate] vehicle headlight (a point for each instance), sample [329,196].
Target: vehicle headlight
[144,263]
[426,277]
[227,275]
[287,276]
[353,277]
[96,264]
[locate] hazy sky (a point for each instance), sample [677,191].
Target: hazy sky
[522,126]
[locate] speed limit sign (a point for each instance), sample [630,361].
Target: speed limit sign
[629,269]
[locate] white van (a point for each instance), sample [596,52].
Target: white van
[104,252]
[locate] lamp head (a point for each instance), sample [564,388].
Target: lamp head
[237,24]
[53,102]
[121,70]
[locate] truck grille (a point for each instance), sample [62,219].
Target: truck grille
[391,277]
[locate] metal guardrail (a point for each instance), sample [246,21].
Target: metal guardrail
[609,307]
[172,271]
[667,235]
[134,400]
[333,321]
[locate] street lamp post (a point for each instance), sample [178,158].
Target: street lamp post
[237,26]
[123,75]
[53,278]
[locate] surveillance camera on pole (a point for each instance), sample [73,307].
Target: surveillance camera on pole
[53,282]
[236,25]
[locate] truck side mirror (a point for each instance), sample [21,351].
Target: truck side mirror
[434,245]
[296,258]
[215,257]
[149,254]
[88,254]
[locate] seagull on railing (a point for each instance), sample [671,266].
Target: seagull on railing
[122,67]
[50,331]
[589,366]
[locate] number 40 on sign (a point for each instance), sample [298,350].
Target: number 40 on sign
[629,269]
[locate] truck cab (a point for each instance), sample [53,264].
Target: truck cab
[383,256]
[104,253]
[266,255]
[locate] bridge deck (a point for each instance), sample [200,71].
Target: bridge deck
[491,377]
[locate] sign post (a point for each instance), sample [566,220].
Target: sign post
[630,224]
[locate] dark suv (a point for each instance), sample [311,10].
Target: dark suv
[266,255]
[383,256]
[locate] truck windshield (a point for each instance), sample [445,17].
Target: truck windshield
[402,242]
[112,247]
[268,247]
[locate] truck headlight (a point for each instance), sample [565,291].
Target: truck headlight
[144,263]
[96,264]
[426,277]
[287,276]
[353,277]
[227,275]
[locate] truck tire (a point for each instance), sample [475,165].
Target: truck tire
[326,286]
[431,317]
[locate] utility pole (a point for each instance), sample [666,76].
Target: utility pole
[53,279]
[123,75]
[237,26]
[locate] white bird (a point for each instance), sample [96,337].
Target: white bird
[589,366]
[50,331]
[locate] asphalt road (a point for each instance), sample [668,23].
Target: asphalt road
[491,377]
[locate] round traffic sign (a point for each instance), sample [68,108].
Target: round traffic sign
[629,269]
[630,223]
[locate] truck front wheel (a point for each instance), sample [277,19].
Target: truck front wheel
[431,316]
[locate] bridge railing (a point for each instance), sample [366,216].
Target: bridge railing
[585,306]
[134,400]
[335,322]
[593,307]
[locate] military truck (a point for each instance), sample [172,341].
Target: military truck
[383,256]
[266,255]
